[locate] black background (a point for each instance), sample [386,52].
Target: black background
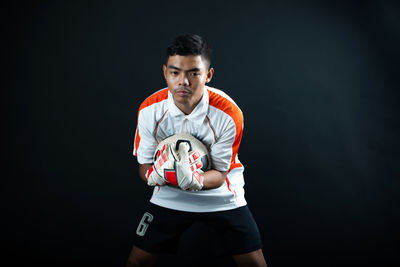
[318,85]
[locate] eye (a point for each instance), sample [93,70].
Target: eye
[194,74]
[174,72]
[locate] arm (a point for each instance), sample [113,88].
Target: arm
[143,168]
[213,179]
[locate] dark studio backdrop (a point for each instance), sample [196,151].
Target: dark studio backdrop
[318,85]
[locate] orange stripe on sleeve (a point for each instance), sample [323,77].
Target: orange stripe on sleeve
[137,141]
[235,165]
[228,184]
[154,98]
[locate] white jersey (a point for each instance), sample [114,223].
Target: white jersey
[218,122]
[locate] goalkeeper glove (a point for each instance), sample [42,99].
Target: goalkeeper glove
[187,174]
[155,175]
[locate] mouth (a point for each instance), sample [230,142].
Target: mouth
[183,92]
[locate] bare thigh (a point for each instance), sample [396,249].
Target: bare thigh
[254,258]
[139,257]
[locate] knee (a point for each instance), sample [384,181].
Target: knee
[140,258]
[135,261]
[253,259]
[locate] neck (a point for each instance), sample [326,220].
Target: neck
[187,108]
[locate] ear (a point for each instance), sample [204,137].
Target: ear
[164,71]
[210,74]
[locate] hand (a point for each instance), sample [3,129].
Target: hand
[187,174]
[154,175]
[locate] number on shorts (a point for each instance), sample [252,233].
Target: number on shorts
[144,223]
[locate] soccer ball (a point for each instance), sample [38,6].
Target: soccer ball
[170,147]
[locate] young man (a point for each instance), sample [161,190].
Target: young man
[217,197]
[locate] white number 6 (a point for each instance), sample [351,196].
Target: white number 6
[144,223]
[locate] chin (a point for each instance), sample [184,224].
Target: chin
[182,98]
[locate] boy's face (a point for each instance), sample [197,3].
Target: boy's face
[186,77]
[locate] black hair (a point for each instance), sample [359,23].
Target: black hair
[190,44]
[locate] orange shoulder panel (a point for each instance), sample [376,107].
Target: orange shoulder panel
[154,98]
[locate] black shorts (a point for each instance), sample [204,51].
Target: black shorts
[160,229]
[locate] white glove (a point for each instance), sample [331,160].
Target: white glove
[153,175]
[187,174]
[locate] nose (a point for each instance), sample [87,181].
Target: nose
[183,80]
